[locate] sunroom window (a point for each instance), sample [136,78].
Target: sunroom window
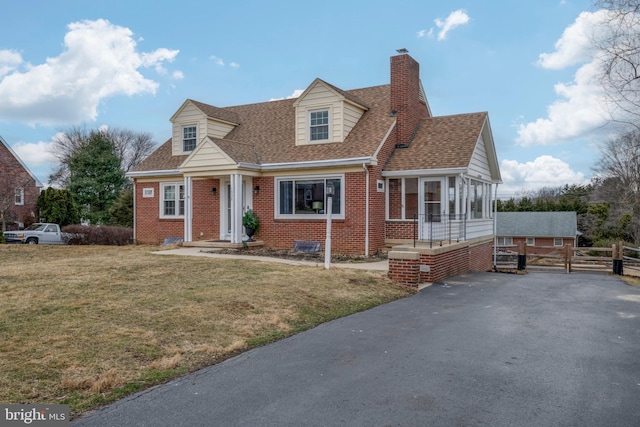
[172,203]
[304,197]
[477,199]
[319,125]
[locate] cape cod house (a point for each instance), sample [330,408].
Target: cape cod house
[19,189]
[398,173]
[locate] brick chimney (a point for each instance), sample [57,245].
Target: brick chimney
[406,101]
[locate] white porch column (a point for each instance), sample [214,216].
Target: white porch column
[236,208]
[188,209]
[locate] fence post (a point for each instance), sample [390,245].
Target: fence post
[522,256]
[616,251]
[567,257]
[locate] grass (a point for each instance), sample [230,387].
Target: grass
[86,325]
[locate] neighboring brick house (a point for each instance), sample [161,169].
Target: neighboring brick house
[541,232]
[384,153]
[19,188]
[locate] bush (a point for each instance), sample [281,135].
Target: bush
[2,238]
[98,235]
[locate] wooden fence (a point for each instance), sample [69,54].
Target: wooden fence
[568,258]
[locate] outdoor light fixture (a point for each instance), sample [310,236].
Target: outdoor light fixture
[213,190]
[327,241]
[256,189]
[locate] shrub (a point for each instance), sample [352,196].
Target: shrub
[98,235]
[1,238]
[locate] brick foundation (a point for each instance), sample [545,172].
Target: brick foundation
[411,266]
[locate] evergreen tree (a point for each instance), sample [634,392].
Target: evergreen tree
[95,177]
[121,211]
[57,206]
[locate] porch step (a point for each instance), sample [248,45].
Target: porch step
[223,244]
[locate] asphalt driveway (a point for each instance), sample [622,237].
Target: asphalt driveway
[543,349]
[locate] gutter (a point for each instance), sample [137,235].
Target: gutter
[355,161]
[424,172]
[165,172]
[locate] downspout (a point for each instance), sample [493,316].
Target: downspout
[495,229]
[366,212]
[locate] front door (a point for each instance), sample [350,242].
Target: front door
[226,207]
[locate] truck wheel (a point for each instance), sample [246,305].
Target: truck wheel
[32,241]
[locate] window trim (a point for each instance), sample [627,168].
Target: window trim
[195,138]
[162,200]
[328,125]
[19,192]
[294,178]
[555,239]
[533,241]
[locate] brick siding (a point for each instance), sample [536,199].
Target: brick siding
[13,175]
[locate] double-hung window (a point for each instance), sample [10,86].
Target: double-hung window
[172,203]
[304,197]
[319,125]
[189,138]
[557,241]
[19,196]
[505,241]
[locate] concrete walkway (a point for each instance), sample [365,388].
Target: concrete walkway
[190,251]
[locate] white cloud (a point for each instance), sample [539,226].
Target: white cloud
[9,60]
[575,46]
[455,19]
[218,61]
[422,33]
[296,93]
[544,171]
[99,60]
[178,75]
[580,107]
[38,153]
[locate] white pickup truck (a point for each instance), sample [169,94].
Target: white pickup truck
[43,233]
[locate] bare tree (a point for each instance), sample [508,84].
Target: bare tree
[131,148]
[618,42]
[619,177]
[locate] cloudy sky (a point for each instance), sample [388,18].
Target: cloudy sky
[122,64]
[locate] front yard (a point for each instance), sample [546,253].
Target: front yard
[85,325]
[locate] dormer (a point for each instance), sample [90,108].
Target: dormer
[194,121]
[325,114]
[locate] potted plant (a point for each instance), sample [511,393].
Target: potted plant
[251,224]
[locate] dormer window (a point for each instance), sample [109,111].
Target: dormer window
[319,125]
[189,138]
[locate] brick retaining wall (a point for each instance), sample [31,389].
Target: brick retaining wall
[412,266]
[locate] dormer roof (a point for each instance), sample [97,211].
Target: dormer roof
[216,113]
[341,94]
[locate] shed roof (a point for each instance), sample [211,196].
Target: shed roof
[537,224]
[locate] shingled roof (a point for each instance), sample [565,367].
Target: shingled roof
[537,224]
[440,142]
[265,134]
